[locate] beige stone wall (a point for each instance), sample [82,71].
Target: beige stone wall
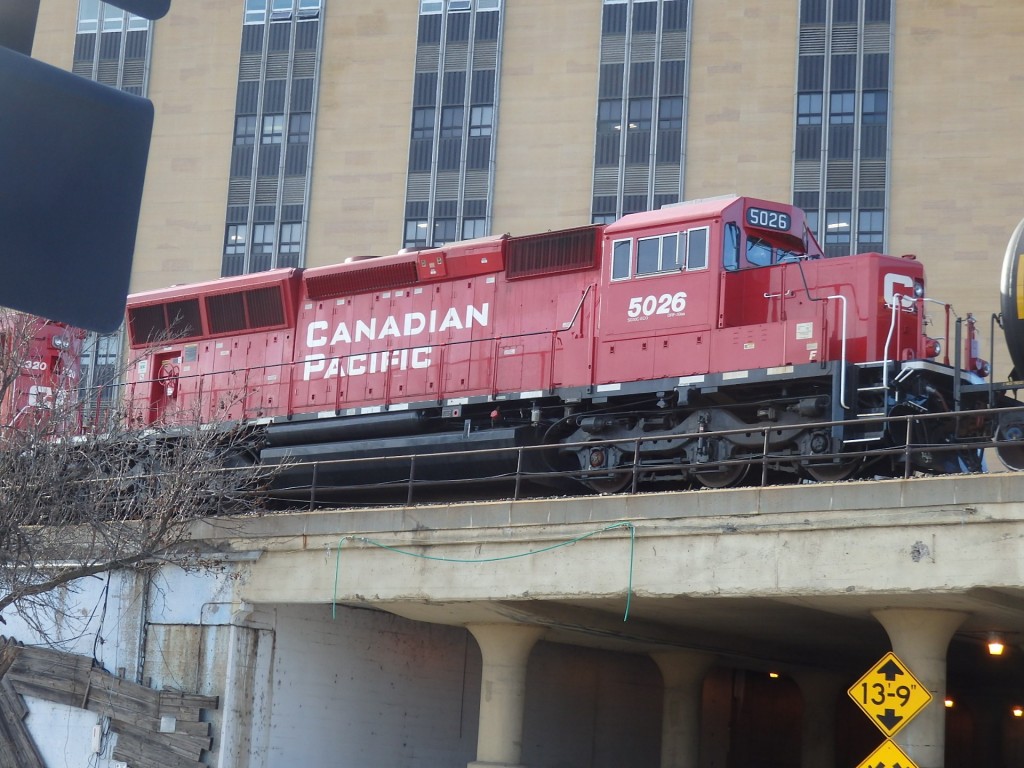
[547,109]
[361,154]
[193,80]
[958,108]
[55,33]
[740,117]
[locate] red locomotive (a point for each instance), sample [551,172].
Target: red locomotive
[673,345]
[39,375]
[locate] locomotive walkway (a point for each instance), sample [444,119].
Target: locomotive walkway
[815,580]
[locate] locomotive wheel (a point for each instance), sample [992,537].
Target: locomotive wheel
[727,476]
[834,472]
[1010,453]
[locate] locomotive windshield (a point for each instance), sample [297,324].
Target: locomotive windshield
[758,251]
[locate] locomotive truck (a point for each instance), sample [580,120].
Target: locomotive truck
[683,345]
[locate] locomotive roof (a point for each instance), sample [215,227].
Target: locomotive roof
[674,213]
[220,285]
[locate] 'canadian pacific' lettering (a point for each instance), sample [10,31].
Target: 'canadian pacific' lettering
[401,326]
[371,362]
[320,365]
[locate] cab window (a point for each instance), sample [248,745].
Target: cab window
[697,249]
[731,247]
[657,254]
[759,252]
[621,251]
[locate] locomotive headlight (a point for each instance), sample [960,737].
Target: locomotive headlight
[918,289]
[60,342]
[932,347]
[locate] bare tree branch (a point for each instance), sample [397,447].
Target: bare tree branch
[75,505]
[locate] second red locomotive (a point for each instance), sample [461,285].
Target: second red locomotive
[675,344]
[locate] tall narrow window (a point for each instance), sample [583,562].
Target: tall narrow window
[480,120]
[870,230]
[423,123]
[842,121]
[415,233]
[638,161]
[808,109]
[451,147]
[112,47]
[273,129]
[298,128]
[275,119]
[837,232]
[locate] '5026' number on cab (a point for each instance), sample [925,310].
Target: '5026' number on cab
[670,304]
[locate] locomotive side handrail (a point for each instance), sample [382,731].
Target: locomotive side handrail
[634,468]
[897,300]
[579,308]
[842,352]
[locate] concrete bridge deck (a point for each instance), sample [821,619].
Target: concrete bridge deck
[782,578]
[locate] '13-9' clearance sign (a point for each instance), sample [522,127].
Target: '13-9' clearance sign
[889,694]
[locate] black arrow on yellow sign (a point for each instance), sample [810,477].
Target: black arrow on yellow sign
[889,719]
[885,765]
[890,670]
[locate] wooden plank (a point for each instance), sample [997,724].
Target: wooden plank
[188,714]
[9,757]
[57,683]
[180,743]
[199,728]
[8,653]
[175,698]
[16,737]
[27,688]
[153,752]
[122,696]
[53,664]
[144,722]
[12,699]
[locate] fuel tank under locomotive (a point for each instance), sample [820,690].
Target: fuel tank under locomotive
[376,450]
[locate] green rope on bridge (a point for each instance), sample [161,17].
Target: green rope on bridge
[371,542]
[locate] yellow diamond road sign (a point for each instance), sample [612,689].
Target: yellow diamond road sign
[889,694]
[887,756]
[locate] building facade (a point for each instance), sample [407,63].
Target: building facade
[306,132]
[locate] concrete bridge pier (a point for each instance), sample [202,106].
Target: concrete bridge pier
[505,649]
[682,674]
[920,638]
[818,728]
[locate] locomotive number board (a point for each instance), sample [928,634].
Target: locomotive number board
[765,219]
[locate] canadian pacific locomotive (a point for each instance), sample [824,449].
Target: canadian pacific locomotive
[683,345]
[39,375]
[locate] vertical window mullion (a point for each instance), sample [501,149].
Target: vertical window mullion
[467,105]
[286,121]
[438,123]
[627,83]
[652,148]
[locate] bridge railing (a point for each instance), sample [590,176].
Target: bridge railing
[897,458]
